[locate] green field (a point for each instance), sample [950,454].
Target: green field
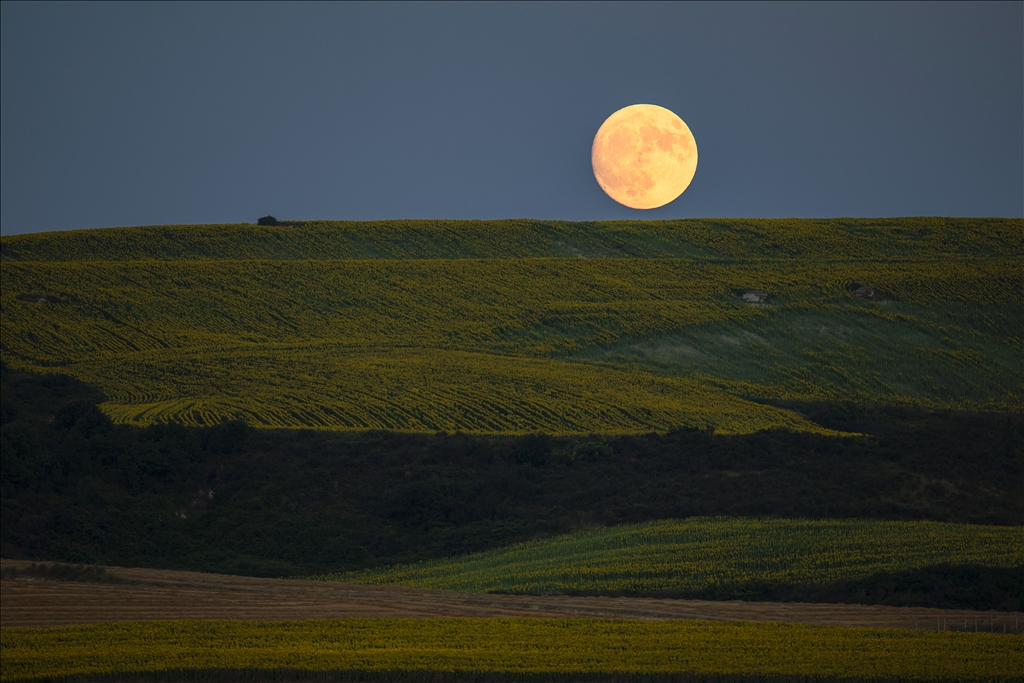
[522,326]
[580,330]
[559,647]
[677,556]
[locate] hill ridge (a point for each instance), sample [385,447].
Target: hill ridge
[522,238]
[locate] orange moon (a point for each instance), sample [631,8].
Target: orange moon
[644,156]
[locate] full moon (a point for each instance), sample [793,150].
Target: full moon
[644,156]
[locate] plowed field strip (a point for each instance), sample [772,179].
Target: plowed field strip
[192,595]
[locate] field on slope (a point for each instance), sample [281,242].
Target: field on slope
[521,326]
[673,557]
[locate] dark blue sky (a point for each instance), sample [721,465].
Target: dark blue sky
[144,113]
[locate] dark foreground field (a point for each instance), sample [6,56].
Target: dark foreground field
[151,594]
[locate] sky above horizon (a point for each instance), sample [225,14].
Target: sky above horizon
[169,113]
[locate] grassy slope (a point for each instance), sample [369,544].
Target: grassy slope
[504,328]
[679,556]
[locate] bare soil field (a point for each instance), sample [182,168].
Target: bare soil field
[163,594]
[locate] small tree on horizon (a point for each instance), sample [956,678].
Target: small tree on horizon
[267,220]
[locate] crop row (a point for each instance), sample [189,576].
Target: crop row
[673,556]
[418,390]
[509,645]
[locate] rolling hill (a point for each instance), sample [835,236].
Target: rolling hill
[413,390]
[270,502]
[697,557]
[513,327]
